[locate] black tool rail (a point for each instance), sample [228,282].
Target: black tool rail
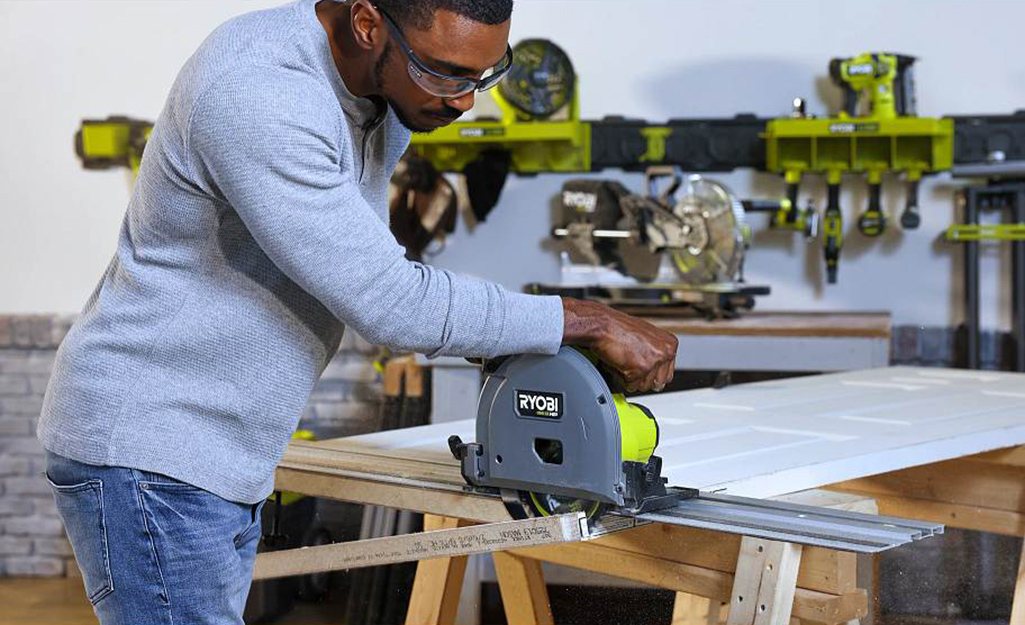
[728,143]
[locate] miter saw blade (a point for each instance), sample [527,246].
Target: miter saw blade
[541,81]
[719,236]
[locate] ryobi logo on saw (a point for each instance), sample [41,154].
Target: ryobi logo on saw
[539,404]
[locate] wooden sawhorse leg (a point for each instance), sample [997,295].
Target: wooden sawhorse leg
[691,609]
[524,594]
[438,582]
[765,583]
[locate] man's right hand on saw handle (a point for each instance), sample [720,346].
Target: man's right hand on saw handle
[641,354]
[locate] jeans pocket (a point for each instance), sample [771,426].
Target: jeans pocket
[158,481]
[81,508]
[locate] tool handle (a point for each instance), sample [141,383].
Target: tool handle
[832,230]
[850,100]
[910,218]
[761,206]
[793,189]
[872,222]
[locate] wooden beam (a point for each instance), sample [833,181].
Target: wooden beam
[1009,456]
[825,570]
[320,483]
[765,583]
[524,594]
[963,516]
[963,482]
[809,605]
[438,582]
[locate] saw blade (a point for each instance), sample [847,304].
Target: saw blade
[717,254]
[546,504]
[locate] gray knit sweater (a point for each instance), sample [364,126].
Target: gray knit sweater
[256,233]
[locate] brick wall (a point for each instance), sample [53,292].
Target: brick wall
[32,541]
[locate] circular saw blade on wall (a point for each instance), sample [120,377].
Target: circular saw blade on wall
[541,81]
[719,238]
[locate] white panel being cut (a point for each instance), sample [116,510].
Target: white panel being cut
[771,438]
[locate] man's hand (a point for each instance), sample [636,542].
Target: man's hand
[641,354]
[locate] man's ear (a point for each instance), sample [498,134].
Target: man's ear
[367,25]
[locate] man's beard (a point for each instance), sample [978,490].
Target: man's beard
[409,124]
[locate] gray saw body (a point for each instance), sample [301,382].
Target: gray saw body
[550,425]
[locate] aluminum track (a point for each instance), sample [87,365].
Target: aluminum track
[794,523]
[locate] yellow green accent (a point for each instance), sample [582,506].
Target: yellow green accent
[656,137]
[590,511]
[878,83]
[535,146]
[638,432]
[115,141]
[986,232]
[287,496]
[835,145]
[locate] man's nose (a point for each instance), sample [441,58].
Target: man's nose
[463,103]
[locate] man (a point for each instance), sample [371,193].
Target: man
[256,233]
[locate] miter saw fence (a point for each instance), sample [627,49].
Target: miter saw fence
[555,438]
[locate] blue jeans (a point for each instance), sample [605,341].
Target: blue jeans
[154,550]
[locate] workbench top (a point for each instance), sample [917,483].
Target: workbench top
[808,324]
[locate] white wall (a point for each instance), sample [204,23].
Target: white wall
[62,61]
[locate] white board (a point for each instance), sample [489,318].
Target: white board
[772,438]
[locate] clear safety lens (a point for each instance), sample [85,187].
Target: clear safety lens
[452,87]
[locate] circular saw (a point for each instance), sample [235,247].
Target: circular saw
[553,438]
[541,81]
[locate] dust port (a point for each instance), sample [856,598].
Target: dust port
[548,450]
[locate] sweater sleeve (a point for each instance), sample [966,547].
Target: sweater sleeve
[269,143]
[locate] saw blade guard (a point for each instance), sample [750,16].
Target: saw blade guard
[549,427]
[549,424]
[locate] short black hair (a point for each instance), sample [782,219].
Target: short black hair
[420,13]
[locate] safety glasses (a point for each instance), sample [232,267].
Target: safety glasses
[443,85]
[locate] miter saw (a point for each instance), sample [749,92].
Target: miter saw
[682,244]
[554,438]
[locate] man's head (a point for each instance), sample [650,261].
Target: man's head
[418,44]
